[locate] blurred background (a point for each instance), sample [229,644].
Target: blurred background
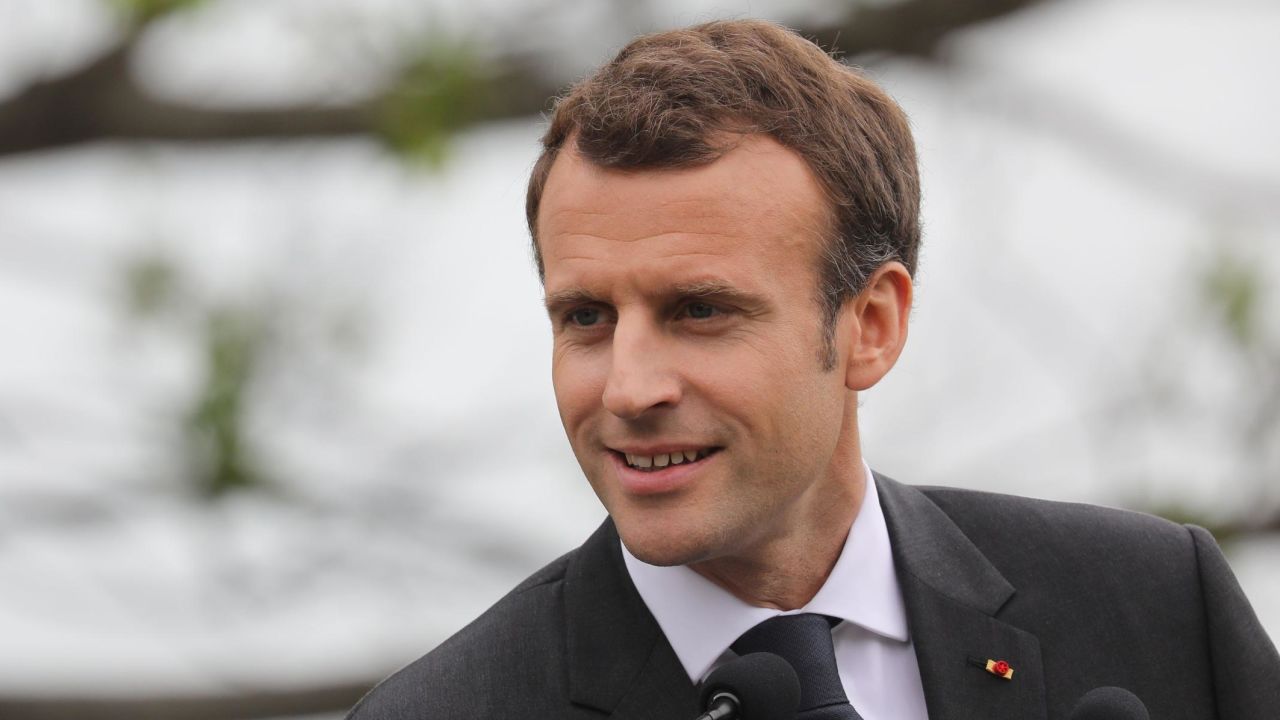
[275,410]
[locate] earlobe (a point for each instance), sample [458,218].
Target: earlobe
[877,329]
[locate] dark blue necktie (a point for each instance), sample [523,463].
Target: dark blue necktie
[805,642]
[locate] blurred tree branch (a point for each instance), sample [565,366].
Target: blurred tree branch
[913,28]
[104,100]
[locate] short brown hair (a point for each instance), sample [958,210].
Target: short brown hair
[666,99]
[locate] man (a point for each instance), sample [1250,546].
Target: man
[725,221]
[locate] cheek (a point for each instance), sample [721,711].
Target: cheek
[787,401]
[578,384]
[770,373]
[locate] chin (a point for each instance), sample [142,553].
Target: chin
[653,544]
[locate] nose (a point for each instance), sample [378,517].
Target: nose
[641,376]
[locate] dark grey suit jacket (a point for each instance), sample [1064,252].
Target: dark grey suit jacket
[1072,596]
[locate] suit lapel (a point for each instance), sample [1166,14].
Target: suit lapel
[953,596]
[619,662]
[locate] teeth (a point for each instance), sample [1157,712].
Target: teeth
[645,462]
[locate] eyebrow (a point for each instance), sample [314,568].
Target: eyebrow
[705,289]
[718,290]
[571,296]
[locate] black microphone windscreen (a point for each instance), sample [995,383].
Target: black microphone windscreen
[765,685]
[1110,703]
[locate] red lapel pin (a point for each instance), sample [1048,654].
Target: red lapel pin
[1000,668]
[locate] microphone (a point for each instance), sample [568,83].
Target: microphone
[1110,703]
[755,686]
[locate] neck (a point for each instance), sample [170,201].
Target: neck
[786,571]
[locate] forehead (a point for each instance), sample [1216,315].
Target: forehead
[757,207]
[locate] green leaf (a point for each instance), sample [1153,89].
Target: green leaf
[439,93]
[1234,288]
[233,344]
[151,285]
[141,12]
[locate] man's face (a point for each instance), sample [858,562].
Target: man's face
[687,361]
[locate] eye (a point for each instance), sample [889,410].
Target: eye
[584,317]
[700,310]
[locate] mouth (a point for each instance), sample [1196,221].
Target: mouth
[661,461]
[661,473]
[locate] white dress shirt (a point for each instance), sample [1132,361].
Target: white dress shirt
[874,653]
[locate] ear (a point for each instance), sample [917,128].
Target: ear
[875,326]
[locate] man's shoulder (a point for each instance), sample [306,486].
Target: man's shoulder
[1106,590]
[1060,545]
[999,516]
[488,664]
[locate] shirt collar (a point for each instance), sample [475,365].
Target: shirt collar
[701,619]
